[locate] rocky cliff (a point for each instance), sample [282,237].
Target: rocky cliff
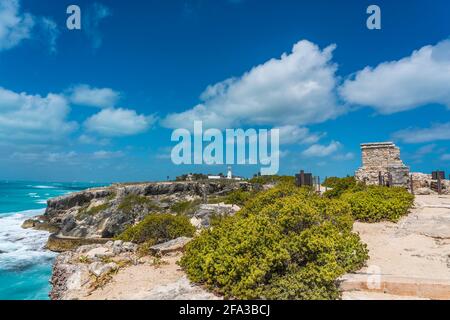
[85,222]
[97,215]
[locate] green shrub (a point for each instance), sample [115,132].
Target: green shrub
[133,201]
[340,185]
[185,207]
[272,179]
[330,182]
[378,203]
[158,228]
[238,197]
[286,243]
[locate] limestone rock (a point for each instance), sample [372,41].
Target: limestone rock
[202,216]
[181,289]
[423,191]
[98,269]
[170,246]
[100,252]
[97,213]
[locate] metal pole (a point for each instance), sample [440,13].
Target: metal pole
[439,183]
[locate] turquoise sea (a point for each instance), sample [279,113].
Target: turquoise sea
[25,266]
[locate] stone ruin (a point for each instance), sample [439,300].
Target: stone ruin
[381,164]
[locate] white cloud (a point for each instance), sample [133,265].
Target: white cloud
[420,79]
[95,97]
[102,154]
[297,89]
[70,157]
[344,156]
[118,122]
[290,134]
[440,131]
[51,32]
[14,25]
[92,18]
[32,118]
[318,150]
[89,139]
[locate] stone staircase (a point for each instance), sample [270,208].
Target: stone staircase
[359,286]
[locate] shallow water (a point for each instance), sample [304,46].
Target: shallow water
[25,266]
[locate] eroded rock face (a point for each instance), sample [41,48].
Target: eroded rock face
[74,272]
[422,184]
[87,219]
[202,217]
[128,276]
[99,213]
[77,199]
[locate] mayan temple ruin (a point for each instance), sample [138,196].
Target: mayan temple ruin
[381,165]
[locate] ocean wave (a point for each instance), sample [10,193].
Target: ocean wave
[41,201]
[43,187]
[34,195]
[22,248]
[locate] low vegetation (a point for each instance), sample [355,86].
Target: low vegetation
[370,203]
[238,197]
[340,185]
[185,207]
[85,212]
[286,243]
[271,179]
[133,201]
[377,203]
[158,228]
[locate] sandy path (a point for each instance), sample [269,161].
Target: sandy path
[417,248]
[146,281]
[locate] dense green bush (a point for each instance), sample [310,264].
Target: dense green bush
[286,243]
[238,197]
[157,228]
[330,182]
[340,185]
[377,203]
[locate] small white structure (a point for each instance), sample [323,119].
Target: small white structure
[228,177]
[229,173]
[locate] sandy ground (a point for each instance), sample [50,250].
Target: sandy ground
[417,247]
[147,281]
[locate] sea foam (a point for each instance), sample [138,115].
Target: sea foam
[21,248]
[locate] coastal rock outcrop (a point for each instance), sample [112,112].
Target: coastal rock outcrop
[87,273]
[76,273]
[103,213]
[203,215]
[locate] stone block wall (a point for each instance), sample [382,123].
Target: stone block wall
[382,157]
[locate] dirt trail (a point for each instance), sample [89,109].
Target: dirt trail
[409,258]
[147,281]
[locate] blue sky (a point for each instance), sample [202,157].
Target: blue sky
[99,104]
